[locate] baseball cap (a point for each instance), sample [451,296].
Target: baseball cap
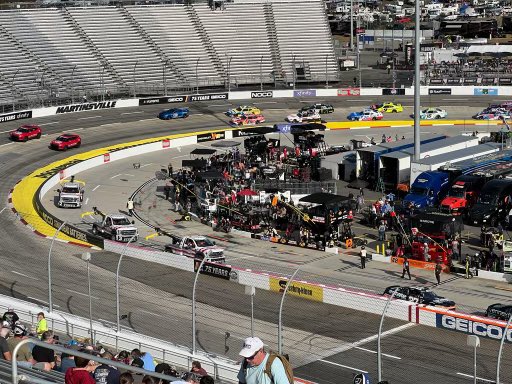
[251,346]
[5,324]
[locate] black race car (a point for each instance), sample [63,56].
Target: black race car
[420,295]
[318,108]
[499,311]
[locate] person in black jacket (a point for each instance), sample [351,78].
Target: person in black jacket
[405,267]
[11,317]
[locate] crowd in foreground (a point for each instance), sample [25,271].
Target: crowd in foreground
[79,370]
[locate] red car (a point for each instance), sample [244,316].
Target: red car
[247,119]
[66,141]
[26,132]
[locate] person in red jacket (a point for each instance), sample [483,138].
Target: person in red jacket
[82,373]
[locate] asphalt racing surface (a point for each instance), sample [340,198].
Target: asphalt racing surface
[331,343]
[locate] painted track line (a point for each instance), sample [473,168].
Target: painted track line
[477,378]
[343,366]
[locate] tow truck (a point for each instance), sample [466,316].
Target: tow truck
[71,193]
[194,247]
[115,226]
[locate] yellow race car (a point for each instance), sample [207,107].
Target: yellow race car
[388,107]
[243,110]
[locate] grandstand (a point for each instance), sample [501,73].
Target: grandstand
[69,52]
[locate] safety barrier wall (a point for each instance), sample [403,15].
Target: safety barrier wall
[258,95]
[106,335]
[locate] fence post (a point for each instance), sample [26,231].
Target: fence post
[279,330]
[501,349]
[379,351]
[50,305]
[194,304]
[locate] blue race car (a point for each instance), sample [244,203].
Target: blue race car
[174,113]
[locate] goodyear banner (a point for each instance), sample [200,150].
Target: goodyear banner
[466,324]
[304,290]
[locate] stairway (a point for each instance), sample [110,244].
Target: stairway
[270,22]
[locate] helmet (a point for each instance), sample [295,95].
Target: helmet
[20,329]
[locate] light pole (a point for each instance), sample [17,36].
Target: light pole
[351,25]
[359,62]
[12,91]
[134,81]
[118,315]
[505,331]
[73,85]
[87,258]
[197,75]
[50,304]
[417,81]
[280,325]
[379,350]
[474,341]
[194,304]
[261,73]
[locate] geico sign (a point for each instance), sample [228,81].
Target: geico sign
[473,327]
[261,95]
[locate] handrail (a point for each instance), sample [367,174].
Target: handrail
[58,348]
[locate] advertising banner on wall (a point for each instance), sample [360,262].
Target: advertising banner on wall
[349,92]
[86,107]
[439,91]
[163,100]
[469,325]
[15,116]
[211,136]
[262,94]
[305,290]
[304,93]
[485,91]
[393,91]
[212,96]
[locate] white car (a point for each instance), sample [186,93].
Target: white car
[302,117]
[433,113]
[365,115]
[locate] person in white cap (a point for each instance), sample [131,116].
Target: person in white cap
[253,369]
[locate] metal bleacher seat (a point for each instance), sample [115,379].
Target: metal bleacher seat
[28,375]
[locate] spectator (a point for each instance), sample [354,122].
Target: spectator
[124,357]
[149,380]
[405,268]
[137,377]
[11,317]
[188,378]
[4,347]
[382,231]
[254,364]
[196,368]
[165,369]
[81,374]
[207,380]
[106,374]
[24,355]
[126,378]
[42,325]
[68,361]
[149,364]
[45,355]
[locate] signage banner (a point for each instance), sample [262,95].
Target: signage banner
[485,91]
[211,136]
[262,94]
[393,91]
[436,81]
[15,116]
[490,330]
[439,91]
[304,93]
[214,269]
[305,290]
[212,96]
[86,107]
[163,100]
[349,92]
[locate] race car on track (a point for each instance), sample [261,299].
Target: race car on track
[26,132]
[492,114]
[318,108]
[66,141]
[174,113]
[499,311]
[420,295]
[388,107]
[365,115]
[304,116]
[433,113]
[243,110]
[247,119]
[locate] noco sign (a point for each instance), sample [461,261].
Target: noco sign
[262,94]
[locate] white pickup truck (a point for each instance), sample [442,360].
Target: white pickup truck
[195,246]
[115,227]
[71,195]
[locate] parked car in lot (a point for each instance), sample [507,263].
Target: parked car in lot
[174,113]
[26,132]
[420,295]
[66,141]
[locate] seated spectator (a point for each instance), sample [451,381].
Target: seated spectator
[68,361]
[106,374]
[165,369]
[81,374]
[149,380]
[124,357]
[188,378]
[149,364]
[45,355]
[196,368]
[137,377]
[24,356]
[4,347]
[207,380]
[126,378]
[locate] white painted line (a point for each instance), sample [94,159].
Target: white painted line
[127,174]
[10,130]
[113,177]
[352,100]
[86,201]
[82,294]
[52,123]
[455,100]
[218,105]
[22,274]
[179,157]
[96,187]
[71,130]
[152,313]
[343,366]
[267,102]
[131,113]
[3,145]
[197,114]
[477,378]
[375,352]
[277,109]
[3,209]
[89,117]
[145,165]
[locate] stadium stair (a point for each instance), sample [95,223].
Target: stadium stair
[28,375]
[274,44]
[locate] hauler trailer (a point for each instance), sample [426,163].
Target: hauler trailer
[367,159]
[395,167]
[433,163]
[484,165]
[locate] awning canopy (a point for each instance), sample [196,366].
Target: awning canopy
[323,198]
[197,163]
[226,144]
[488,50]
[203,151]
